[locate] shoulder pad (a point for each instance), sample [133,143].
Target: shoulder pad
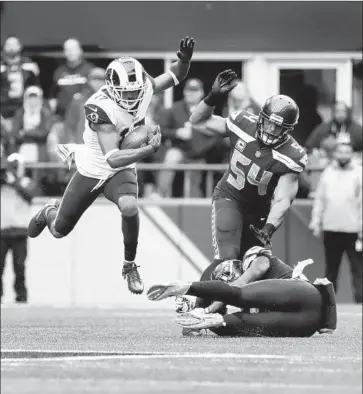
[242,123]
[96,114]
[292,155]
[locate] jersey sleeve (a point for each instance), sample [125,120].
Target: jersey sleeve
[292,157]
[95,114]
[241,125]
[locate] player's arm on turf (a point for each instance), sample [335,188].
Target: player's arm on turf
[223,84]
[178,70]
[283,197]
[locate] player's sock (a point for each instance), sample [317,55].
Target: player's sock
[217,291]
[130,231]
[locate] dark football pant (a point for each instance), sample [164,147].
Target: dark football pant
[230,229]
[231,235]
[294,307]
[82,191]
[18,246]
[335,244]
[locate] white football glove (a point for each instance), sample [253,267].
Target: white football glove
[184,304]
[155,138]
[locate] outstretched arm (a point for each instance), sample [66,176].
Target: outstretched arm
[284,196]
[178,70]
[223,84]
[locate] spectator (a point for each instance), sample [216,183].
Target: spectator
[32,124]
[337,211]
[74,119]
[177,131]
[341,124]
[240,99]
[69,78]
[17,73]
[309,118]
[16,195]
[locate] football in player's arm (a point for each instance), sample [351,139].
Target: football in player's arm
[287,187]
[109,140]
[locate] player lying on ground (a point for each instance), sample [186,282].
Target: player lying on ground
[251,269]
[102,167]
[261,182]
[287,307]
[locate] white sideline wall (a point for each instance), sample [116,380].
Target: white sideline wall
[85,267]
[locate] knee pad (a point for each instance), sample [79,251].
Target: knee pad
[128,205]
[227,220]
[60,228]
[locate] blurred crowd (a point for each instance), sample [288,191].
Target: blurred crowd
[32,125]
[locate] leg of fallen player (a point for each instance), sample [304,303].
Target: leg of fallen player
[121,189]
[294,307]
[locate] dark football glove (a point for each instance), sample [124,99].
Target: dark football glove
[263,235]
[186,49]
[223,84]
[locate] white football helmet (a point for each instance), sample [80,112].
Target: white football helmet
[126,82]
[251,254]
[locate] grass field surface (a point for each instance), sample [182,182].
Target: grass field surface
[47,350]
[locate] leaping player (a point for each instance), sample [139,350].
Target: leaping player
[261,182]
[102,167]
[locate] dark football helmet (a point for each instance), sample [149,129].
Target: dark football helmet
[278,117]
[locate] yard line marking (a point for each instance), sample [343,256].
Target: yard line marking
[95,355]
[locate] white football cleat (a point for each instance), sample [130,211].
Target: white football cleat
[199,319]
[159,292]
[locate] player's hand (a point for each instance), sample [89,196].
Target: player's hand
[262,235]
[186,49]
[155,138]
[224,83]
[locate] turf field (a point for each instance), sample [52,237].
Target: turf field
[120,350]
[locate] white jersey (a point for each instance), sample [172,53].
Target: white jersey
[100,109]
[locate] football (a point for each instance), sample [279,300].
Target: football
[136,138]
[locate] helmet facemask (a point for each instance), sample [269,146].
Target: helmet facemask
[127,95]
[272,130]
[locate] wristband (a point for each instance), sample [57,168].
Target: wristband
[175,79]
[211,100]
[269,228]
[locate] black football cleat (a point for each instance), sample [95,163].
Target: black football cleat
[38,222]
[134,281]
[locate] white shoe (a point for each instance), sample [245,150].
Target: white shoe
[159,292]
[199,319]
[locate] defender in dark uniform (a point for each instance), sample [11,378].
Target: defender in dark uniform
[289,305]
[258,188]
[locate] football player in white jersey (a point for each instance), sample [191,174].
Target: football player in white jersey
[102,167]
